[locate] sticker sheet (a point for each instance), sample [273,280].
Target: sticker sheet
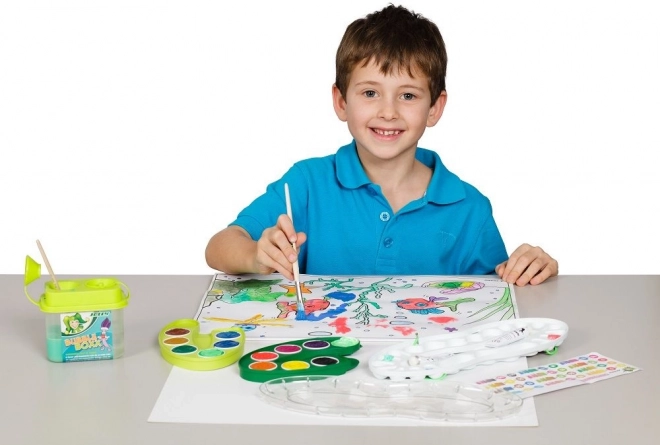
[580,370]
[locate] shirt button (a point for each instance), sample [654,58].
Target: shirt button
[387,242]
[384,216]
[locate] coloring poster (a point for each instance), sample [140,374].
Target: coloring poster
[369,308]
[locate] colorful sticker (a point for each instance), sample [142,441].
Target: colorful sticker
[535,381]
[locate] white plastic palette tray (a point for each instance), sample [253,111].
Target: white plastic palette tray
[425,400]
[439,355]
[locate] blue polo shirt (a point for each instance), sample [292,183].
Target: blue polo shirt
[352,230]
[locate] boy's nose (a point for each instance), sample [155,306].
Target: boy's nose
[388,111]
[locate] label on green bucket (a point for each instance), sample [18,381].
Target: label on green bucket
[86,336]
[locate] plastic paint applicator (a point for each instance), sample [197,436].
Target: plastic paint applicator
[300,312]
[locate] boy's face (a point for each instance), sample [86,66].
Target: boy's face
[386,114]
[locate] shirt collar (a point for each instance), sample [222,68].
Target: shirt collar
[444,188]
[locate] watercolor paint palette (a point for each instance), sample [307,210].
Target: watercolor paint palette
[316,356]
[425,400]
[439,355]
[182,345]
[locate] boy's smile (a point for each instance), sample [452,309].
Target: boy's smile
[387,114]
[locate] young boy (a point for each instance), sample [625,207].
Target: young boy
[380,205]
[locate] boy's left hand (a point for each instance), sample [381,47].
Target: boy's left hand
[527,264]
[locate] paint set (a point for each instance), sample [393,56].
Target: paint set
[433,357]
[307,375]
[182,345]
[306,357]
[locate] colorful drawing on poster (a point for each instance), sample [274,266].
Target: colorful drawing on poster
[369,308]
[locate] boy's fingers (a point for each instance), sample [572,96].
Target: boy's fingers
[277,245]
[519,261]
[517,273]
[514,268]
[530,272]
[286,253]
[507,266]
[286,226]
[541,276]
[550,270]
[300,239]
[274,251]
[501,270]
[527,264]
[511,264]
[267,257]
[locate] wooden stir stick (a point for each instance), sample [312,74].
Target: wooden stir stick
[50,270]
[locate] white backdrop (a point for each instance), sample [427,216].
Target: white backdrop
[132,131]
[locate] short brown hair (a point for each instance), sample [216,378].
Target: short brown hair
[394,38]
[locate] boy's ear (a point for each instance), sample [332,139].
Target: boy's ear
[435,113]
[339,103]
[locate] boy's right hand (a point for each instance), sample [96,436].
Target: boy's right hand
[274,249]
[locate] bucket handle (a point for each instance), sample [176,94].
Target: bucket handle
[29,297]
[128,291]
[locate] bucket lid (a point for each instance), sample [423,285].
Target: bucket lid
[76,295]
[84,295]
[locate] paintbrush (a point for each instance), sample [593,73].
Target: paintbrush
[300,312]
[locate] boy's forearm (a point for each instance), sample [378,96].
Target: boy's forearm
[231,251]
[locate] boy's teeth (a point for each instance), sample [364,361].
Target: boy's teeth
[387,132]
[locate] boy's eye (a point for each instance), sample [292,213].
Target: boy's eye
[370,93]
[408,96]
